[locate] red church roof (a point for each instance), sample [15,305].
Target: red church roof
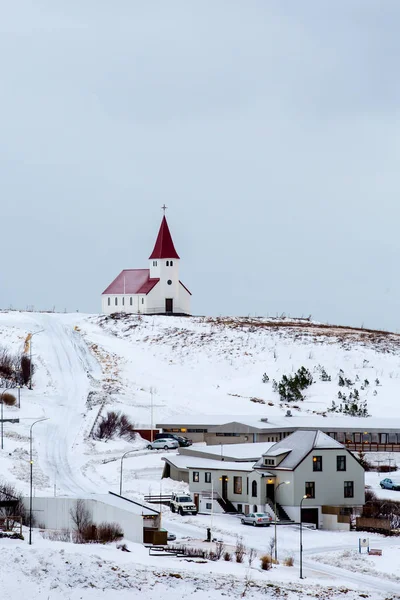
[132,281]
[164,247]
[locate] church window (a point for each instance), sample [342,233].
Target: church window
[169,282]
[154,263]
[116,301]
[109,301]
[142,300]
[123,301]
[171,262]
[131,301]
[167,263]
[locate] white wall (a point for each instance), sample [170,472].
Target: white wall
[54,513]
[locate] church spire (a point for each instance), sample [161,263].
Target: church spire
[164,246]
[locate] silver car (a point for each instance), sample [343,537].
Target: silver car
[163,444]
[256,519]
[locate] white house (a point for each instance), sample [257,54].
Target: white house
[304,463]
[153,291]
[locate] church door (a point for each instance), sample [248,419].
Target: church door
[169,305]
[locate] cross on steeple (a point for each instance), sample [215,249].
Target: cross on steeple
[164,208]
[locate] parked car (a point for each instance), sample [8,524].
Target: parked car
[163,443]
[390,484]
[182,503]
[256,519]
[183,441]
[171,537]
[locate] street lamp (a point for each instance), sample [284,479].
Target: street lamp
[30,355]
[120,476]
[276,490]
[31,477]
[301,536]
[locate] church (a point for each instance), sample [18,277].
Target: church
[154,291]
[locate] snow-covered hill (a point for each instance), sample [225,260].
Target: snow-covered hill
[87,364]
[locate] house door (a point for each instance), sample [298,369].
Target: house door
[169,305]
[271,491]
[224,487]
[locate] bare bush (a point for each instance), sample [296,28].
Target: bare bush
[266,562]
[251,556]
[227,556]
[26,368]
[9,492]
[289,561]
[219,548]
[240,550]
[9,399]
[80,516]
[63,535]
[115,424]
[109,532]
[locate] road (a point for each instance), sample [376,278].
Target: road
[68,361]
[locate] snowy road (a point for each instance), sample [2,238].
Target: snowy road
[68,361]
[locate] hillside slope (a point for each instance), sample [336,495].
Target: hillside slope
[86,365]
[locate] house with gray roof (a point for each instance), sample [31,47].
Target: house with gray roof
[306,463]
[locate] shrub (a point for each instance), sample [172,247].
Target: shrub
[115,424]
[289,561]
[9,399]
[109,532]
[26,369]
[227,556]
[290,387]
[219,548]
[240,550]
[266,562]
[9,492]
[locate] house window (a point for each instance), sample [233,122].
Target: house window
[196,476]
[310,489]
[208,506]
[254,489]
[207,477]
[349,489]
[269,461]
[237,485]
[317,463]
[384,438]
[240,508]
[131,301]
[247,485]
[116,301]
[109,301]
[340,463]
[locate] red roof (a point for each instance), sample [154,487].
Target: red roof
[164,247]
[132,281]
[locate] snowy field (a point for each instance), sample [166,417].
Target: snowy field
[87,364]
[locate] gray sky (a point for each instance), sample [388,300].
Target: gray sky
[269,128]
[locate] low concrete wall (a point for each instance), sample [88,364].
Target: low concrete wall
[55,513]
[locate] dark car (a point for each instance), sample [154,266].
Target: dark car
[182,441]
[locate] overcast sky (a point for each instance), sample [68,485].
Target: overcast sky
[269,128]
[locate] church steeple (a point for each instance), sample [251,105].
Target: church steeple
[164,246]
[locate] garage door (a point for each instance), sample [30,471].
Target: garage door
[310,515]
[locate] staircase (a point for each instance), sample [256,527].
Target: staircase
[226,505]
[281,514]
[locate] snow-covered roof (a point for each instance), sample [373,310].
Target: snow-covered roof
[251,451]
[267,423]
[193,462]
[298,445]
